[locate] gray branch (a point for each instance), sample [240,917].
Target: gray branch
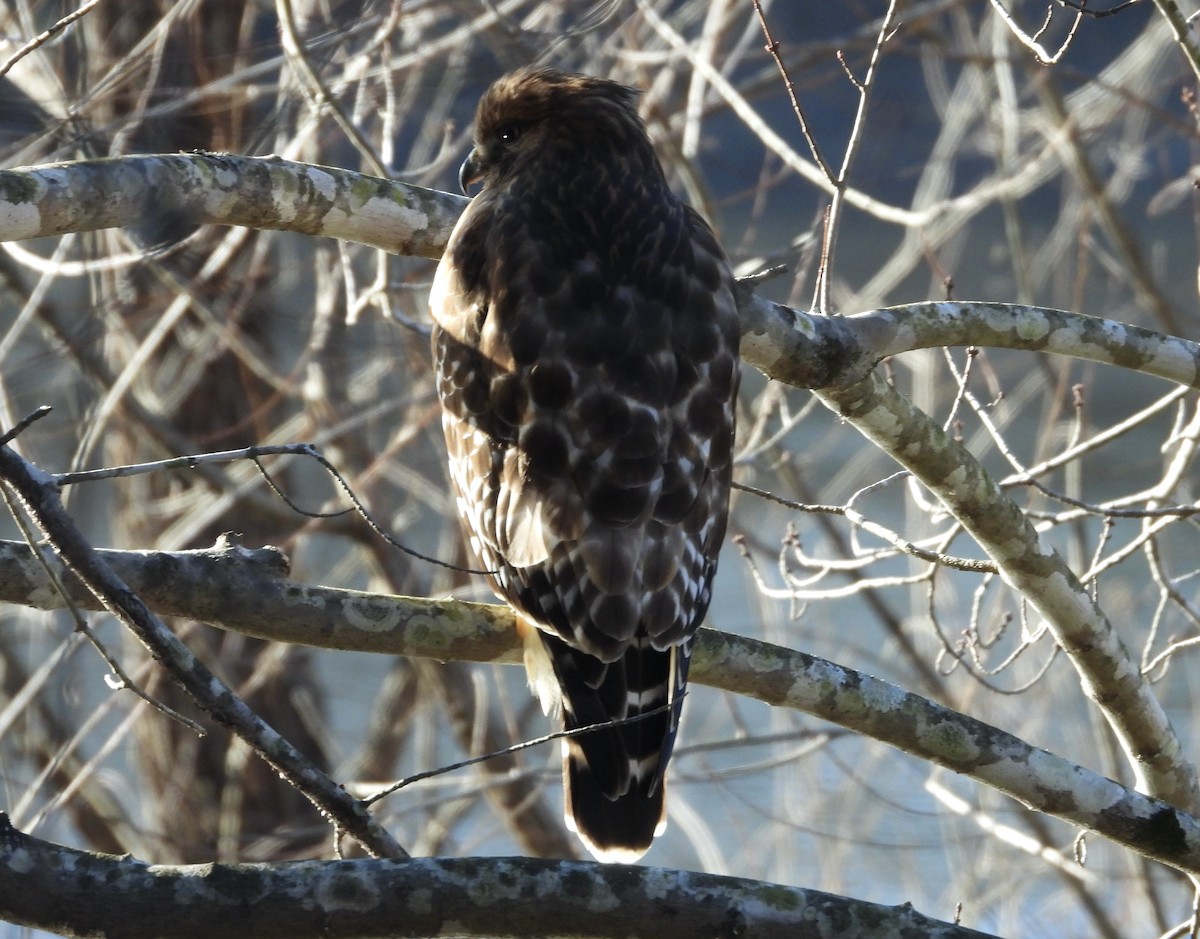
[74,893]
[245,591]
[834,355]
[802,349]
[224,189]
[808,350]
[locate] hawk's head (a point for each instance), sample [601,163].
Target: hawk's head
[537,111]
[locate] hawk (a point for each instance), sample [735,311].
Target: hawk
[585,343]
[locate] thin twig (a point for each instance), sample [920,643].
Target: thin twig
[515,748]
[791,503]
[39,494]
[1081,6]
[255,453]
[837,181]
[315,89]
[8,436]
[362,511]
[190,461]
[856,518]
[772,47]
[46,35]
[119,680]
[1031,42]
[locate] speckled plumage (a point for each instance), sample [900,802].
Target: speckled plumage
[585,341]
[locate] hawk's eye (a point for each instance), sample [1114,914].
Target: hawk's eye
[509,133]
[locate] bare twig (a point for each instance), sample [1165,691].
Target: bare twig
[12,433]
[316,90]
[46,35]
[772,47]
[255,454]
[1030,42]
[507,751]
[39,494]
[183,462]
[837,180]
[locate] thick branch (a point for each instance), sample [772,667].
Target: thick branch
[807,350]
[1110,676]
[1040,780]
[223,189]
[79,894]
[242,590]
[802,349]
[933,325]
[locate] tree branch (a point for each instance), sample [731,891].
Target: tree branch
[805,350]
[75,893]
[802,349]
[244,590]
[808,350]
[223,189]
[40,497]
[1109,675]
[830,353]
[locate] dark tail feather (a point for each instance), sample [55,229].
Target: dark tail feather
[617,831]
[614,778]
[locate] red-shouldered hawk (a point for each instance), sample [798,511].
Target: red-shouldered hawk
[586,347]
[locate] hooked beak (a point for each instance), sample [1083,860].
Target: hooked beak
[470,172]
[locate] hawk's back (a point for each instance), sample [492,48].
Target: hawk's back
[586,346]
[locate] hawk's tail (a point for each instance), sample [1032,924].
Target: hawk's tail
[614,778]
[620,830]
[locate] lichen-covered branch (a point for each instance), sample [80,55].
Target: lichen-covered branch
[803,349]
[835,355]
[807,350]
[935,324]
[1110,676]
[74,893]
[832,354]
[245,590]
[224,189]
[1040,780]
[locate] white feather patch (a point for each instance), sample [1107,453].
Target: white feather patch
[538,669]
